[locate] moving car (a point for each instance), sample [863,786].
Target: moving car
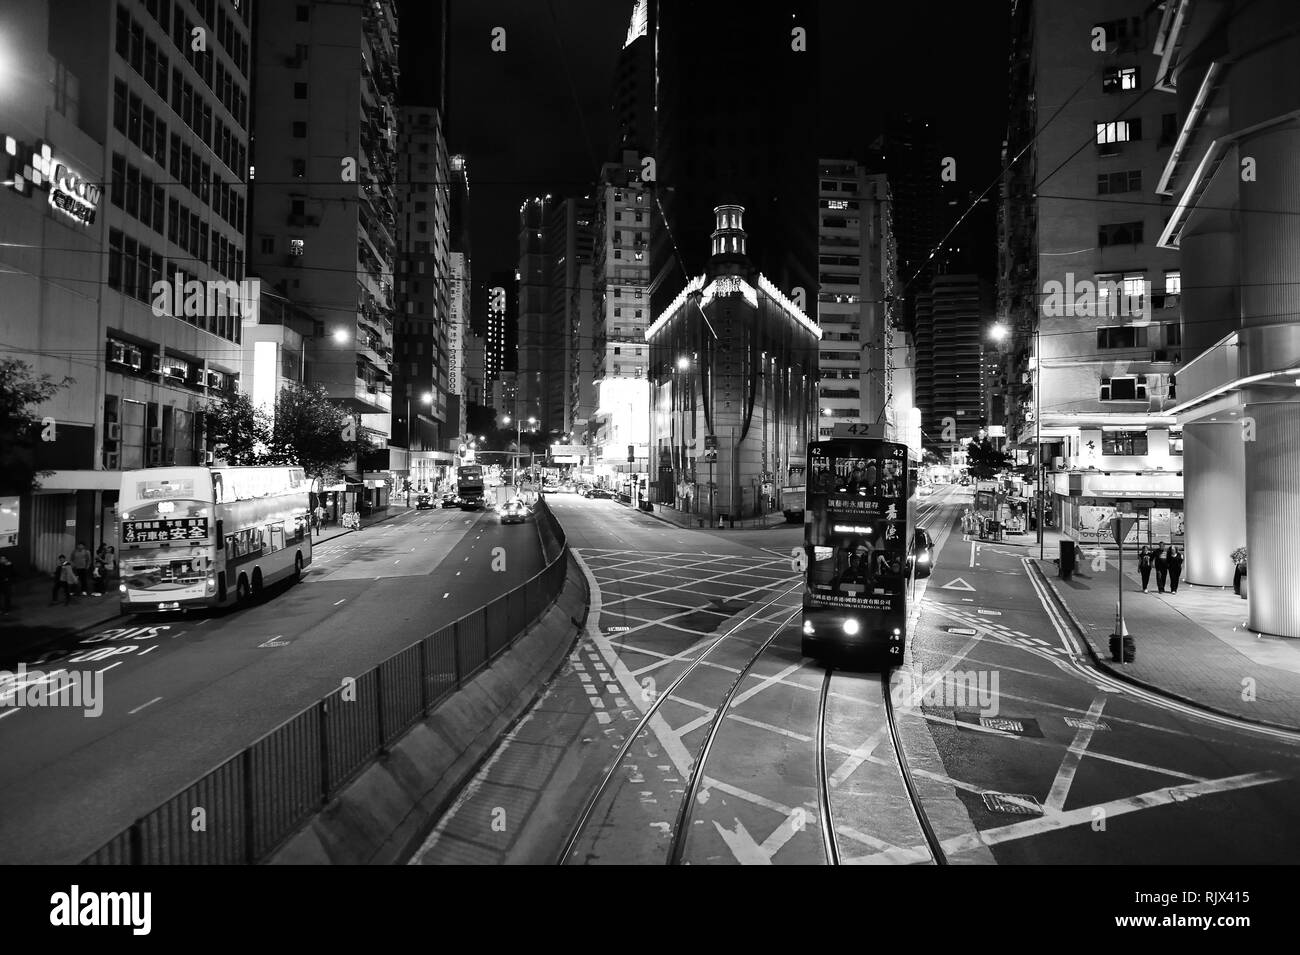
[924,490]
[424,502]
[515,512]
[920,552]
[450,500]
[597,492]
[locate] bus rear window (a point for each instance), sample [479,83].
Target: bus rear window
[157,490]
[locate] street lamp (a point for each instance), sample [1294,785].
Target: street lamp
[519,427]
[998,333]
[341,335]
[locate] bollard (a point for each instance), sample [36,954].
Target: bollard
[1122,648]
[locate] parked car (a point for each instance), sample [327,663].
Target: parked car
[450,500]
[597,492]
[515,512]
[424,502]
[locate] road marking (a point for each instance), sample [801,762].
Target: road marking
[150,649]
[446,595]
[972,553]
[276,641]
[742,845]
[958,584]
[143,705]
[1073,756]
[8,713]
[201,622]
[337,602]
[458,573]
[398,561]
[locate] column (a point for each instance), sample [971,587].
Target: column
[1214,505]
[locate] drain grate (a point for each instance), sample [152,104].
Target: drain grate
[1085,724]
[1019,725]
[962,631]
[1017,804]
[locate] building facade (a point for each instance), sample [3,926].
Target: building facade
[1089,297]
[566,355]
[535,354]
[953,315]
[1231,70]
[733,373]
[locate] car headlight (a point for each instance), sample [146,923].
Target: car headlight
[808,627]
[923,559]
[851,626]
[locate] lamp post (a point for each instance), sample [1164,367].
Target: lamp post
[683,366]
[519,430]
[427,399]
[999,332]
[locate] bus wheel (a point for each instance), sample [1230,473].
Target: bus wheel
[257,582]
[297,568]
[241,590]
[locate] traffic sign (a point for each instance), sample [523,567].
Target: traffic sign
[711,442]
[1120,526]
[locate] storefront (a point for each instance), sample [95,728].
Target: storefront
[1092,499]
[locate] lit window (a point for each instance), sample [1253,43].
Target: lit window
[295,246]
[1173,283]
[837,204]
[1120,131]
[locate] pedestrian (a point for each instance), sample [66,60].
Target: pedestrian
[82,560]
[65,578]
[6,584]
[111,561]
[101,554]
[1161,562]
[1144,567]
[1175,568]
[98,578]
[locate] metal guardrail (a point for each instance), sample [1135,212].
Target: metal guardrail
[242,811]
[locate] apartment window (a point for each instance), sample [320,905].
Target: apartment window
[421,207]
[617,350]
[1119,233]
[1113,182]
[300,168]
[296,246]
[1119,131]
[299,90]
[1168,129]
[268,245]
[299,130]
[1174,283]
[1173,335]
[119,106]
[1175,437]
[119,179]
[1123,442]
[1119,79]
[1124,336]
[1126,388]
[302,12]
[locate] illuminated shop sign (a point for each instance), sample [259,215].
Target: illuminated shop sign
[36,168]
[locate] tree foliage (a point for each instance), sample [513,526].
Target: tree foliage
[984,460]
[237,430]
[21,392]
[307,429]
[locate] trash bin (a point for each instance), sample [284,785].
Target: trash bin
[1067,559]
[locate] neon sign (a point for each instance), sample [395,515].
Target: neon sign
[36,167]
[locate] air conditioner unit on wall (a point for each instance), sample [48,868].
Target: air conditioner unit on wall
[112,461]
[209,458]
[155,455]
[155,436]
[113,431]
[155,363]
[117,352]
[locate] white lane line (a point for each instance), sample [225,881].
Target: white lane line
[972,553]
[398,561]
[8,713]
[1073,757]
[445,596]
[458,573]
[337,602]
[203,621]
[143,705]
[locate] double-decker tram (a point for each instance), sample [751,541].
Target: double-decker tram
[194,537]
[856,529]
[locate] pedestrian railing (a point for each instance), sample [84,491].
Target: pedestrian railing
[242,811]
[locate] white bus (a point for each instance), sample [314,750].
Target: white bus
[193,537]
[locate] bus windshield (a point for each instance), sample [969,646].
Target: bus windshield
[856,530]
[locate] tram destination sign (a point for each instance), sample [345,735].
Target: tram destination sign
[164,530]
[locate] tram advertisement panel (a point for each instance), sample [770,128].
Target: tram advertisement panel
[855,528]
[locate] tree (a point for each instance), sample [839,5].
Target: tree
[238,431]
[984,460]
[21,392]
[313,432]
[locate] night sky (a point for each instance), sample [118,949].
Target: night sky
[535,118]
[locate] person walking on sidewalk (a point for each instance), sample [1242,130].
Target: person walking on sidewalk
[1175,568]
[6,584]
[81,563]
[66,578]
[1144,567]
[1161,562]
[98,578]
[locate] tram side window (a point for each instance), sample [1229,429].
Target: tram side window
[254,539]
[235,545]
[277,537]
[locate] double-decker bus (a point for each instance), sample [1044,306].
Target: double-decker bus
[856,530]
[469,486]
[193,537]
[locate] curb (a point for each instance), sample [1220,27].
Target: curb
[1101,664]
[353,530]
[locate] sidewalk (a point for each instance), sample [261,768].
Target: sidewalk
[671,515]
[1193,645]
[35,623]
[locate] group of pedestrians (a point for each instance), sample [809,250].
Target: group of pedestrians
[1167,560]
[85,573]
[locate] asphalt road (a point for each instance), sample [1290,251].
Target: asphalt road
[1020,751]
[184,693]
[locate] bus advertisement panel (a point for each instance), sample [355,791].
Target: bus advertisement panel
[855,544]
[194,537]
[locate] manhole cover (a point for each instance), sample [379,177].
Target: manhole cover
[1020,725]
[1020,804]
[1085,724]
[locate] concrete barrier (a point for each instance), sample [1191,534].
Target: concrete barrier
[384,814]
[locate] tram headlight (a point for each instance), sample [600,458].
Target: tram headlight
[808,627]
[850,626]
[121,588]
[212,585]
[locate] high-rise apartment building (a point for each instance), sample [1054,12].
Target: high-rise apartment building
[1083,285]
[125,151]
[324,218]
[953,316]
[499,310]
[532,279]
[567,391]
